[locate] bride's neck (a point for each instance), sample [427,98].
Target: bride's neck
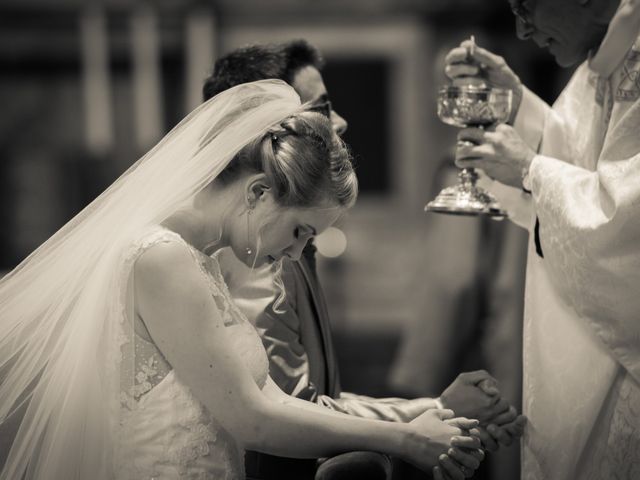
[187,224]
[200,225]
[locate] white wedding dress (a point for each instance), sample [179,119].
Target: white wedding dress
[165,432]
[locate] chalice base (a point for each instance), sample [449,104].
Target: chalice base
[466,198]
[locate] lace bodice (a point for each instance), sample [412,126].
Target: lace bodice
[165,432]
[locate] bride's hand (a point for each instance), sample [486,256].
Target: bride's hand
[442,440]
[466,453]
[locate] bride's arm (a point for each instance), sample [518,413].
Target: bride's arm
[183,320]
[427,422]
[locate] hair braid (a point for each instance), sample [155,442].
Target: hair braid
[305,162]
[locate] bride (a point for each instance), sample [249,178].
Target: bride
[121,352]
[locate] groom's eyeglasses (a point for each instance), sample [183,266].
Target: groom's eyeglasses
[523,11]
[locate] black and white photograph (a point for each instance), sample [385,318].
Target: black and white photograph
[320,240]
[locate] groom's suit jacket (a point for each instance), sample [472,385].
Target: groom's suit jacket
[306,309]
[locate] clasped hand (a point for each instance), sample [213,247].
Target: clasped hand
[443,443]
[476,395]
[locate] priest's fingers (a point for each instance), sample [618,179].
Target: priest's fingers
[483,57]
[489,60]
[473,135]
[458,55]
[471,60]
[456,70]
[474,156]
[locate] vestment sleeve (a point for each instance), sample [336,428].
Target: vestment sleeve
[590,230]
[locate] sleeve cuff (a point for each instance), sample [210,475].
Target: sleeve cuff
[515,200]
[533,177]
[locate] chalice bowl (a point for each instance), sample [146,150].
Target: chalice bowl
[471,106]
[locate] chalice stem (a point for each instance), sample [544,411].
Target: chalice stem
[468,178]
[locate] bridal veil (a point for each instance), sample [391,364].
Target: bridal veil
[62,317]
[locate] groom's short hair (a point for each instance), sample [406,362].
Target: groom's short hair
[260,62]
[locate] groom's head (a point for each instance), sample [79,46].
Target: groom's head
[298,63]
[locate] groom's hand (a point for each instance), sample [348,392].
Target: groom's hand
[492,436]
[509,432]
[474,395]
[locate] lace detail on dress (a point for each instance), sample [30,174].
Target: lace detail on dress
[178,439]
[147,372]
[150,368]
[192,417]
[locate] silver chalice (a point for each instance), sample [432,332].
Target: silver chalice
[471,106]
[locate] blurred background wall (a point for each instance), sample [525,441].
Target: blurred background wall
[86,87]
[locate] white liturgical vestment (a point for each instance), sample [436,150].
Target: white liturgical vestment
[581,342]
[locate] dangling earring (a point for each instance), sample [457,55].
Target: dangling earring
[248,249]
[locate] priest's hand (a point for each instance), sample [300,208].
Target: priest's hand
[469,60]
[474,395]
[501,153]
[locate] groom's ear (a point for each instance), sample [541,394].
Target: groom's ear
[256,189]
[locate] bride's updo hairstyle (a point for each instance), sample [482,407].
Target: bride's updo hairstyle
[305,161]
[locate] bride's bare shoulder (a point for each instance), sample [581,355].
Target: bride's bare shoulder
[166,266]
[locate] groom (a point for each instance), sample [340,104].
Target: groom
[297,336]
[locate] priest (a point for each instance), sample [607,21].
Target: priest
[570,173]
